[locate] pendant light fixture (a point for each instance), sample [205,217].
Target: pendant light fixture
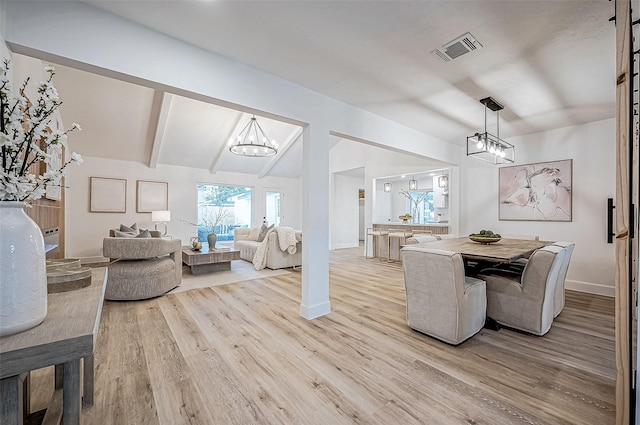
[387,187]
[487,147]
[413,183]
[252,141]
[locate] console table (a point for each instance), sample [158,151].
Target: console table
[67,335]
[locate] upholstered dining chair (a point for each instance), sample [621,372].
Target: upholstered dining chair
[558,298]
[525,301]
[441,301]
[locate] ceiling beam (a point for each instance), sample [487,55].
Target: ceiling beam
[293,138]
[159,116]
[215,164]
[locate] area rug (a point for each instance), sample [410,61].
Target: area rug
[240,271]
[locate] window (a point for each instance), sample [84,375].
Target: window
[421,206]
[223,208]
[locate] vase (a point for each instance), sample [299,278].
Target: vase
[212,238]
[23,274]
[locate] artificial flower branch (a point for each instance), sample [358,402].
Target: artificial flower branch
[24,128]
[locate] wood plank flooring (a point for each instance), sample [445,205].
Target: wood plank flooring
[241,354]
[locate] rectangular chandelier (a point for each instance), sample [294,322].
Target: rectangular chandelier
[487,147]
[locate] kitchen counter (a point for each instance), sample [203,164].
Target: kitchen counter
[384,249]
[399,223]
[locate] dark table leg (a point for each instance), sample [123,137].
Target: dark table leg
[87,391]
[71,393]
[10,401]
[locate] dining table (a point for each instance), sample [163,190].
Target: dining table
[503,251]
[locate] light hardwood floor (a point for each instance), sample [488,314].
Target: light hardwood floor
[241,354]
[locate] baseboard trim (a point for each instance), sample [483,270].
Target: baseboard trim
[591,288]
[315,311]
[345,245]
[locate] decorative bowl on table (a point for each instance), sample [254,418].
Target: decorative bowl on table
[485,237]
[405,218]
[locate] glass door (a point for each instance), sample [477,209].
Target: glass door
[273,207]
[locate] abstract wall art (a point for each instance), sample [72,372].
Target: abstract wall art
[536,192]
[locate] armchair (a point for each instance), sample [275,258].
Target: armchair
[144,268]
[441,301]
[525,301]
[558,302]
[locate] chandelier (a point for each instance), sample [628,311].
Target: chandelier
[252,141]
[487,147]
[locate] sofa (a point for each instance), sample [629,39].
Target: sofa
[276,258]
[143,267]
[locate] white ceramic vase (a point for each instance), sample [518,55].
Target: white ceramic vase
[23,273]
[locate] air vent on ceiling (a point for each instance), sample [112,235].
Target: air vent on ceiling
[464,44]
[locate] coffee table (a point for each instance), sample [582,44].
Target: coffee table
[207,261]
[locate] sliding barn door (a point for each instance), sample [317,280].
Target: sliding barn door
[626,226]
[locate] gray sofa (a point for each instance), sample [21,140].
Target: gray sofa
[144,267]
[276,258]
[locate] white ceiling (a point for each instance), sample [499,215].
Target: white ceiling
[550,63]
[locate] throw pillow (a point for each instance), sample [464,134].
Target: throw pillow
[253,234]
[143,234]
[119,234]
[128,229]
[262,233]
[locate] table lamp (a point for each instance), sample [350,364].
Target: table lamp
[161,217]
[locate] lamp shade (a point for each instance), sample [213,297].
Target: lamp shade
[161,216]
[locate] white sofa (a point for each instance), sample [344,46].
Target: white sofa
[276,258]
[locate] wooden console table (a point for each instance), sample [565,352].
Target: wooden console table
[67,335]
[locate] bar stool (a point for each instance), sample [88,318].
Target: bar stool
[399,234]
[374,232]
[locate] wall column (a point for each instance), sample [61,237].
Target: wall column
[315,222]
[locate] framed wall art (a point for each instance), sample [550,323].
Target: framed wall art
[536,192]
[152,196]
[107,194]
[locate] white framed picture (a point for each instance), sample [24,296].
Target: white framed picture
[107,194]
[152,196]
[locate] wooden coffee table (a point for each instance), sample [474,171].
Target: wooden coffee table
[209,261]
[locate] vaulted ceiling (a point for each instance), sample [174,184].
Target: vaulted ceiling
[550,63]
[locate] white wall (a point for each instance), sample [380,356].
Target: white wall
[85,230]
[592,148]
[345,211]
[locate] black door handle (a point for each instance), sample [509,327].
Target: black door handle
[610,232]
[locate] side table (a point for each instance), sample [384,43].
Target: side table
[67,335]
